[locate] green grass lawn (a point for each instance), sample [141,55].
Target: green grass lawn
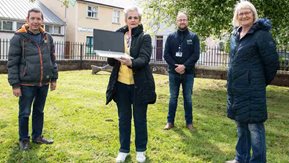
[86,130]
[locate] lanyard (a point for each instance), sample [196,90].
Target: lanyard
[181,40]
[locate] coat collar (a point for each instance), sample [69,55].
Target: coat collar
[135,31]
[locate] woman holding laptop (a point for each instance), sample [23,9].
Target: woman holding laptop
[131,85]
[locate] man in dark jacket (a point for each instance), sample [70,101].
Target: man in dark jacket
[31,67]
[182,51]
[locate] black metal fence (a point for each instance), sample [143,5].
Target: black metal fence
[211,57]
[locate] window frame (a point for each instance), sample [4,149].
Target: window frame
[89,45]
[116,16]
[90,13]
[2,25]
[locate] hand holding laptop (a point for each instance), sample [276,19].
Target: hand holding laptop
[125,59]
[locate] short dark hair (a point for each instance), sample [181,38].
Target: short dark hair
[35,10]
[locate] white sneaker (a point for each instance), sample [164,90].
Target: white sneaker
[121,157]
[140,157]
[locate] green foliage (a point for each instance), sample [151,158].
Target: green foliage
[214,17]
[86,130]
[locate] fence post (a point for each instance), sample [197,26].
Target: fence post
[67,50]
[81,55]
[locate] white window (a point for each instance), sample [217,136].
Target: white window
[49,28]
[53,29]
[57,30]
[115,16]
[92,12]
[7,25]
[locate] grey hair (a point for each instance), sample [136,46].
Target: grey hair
[243,5]
[132,8]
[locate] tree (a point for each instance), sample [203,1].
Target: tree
[214,17]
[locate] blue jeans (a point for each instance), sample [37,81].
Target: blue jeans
[251,136]
[127,108]
[37,96]
[187,81]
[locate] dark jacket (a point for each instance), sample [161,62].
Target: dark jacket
[140,50]
[253,65]
[31,63]
[189,46]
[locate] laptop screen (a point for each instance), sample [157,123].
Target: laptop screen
[108,41]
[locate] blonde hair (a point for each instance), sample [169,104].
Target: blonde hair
[243,5]
[132,8]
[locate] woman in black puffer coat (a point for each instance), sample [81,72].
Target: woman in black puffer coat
[253,65]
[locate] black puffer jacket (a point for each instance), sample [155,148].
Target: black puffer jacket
[140,50]
[253,65]
[31,63]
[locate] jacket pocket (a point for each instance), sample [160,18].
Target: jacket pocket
[148,92]
[241,79]
[24,71]
[249,77]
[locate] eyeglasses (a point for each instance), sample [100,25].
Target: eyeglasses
[182,20]
[135,17]
[244,13]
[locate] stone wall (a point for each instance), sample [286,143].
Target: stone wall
[281,79]
[3,67]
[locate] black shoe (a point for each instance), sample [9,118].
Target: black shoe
[24,144]
[42,140]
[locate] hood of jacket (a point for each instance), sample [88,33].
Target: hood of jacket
[24,32]
[261,24]
[24,29]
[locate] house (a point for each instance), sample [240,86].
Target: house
[13,15]
[83,16]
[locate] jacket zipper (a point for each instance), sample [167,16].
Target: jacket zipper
[41,65]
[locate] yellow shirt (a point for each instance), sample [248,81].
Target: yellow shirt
[125,74]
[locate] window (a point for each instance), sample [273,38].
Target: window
[53,29]
[115,16]
[0,24]
[92,12]
[7,25]
[57,30]
[49,28]
[19,25]
[89,45]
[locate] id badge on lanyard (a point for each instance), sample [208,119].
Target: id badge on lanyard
[179,53]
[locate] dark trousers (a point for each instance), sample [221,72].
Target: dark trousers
[127,108]
[36,96]
[187,81]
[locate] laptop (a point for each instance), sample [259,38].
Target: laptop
[108,44]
